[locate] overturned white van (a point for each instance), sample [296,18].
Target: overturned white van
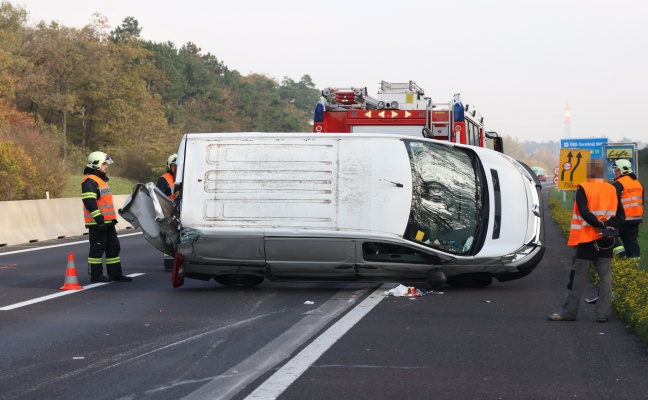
[359,207]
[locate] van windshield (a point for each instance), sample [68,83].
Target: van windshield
[447,196]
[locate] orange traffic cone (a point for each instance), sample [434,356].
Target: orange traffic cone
[71,279]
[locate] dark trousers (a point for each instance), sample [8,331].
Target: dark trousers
[101,242]
[628,234]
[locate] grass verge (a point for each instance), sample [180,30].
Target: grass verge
[117,186]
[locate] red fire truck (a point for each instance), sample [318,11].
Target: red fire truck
[401,108]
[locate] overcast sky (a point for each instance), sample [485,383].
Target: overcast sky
[519,62]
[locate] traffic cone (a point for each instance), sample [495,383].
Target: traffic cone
[71,279]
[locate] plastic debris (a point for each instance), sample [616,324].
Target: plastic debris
[406,291]
[309,302]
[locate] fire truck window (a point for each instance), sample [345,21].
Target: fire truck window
[471,130]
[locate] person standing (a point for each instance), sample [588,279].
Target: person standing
[632,198]
[100,219]
[597,206]
[166,184]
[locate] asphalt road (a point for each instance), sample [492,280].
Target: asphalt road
[145,340]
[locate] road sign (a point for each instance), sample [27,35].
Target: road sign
[555,180]
[594,145]
[617,151]
[573,168]
[556,171]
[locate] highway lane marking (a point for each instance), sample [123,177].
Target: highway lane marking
[59,245]
[232,381]
[279,382]
[55,295]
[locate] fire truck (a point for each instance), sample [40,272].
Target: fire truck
[401,108]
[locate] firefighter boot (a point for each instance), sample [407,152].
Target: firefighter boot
[115,273]
[96,273]
[168,263]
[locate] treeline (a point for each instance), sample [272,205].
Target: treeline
[65,92]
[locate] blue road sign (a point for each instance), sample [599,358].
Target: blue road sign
[594,145]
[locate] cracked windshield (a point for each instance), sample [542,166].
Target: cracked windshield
[446,197]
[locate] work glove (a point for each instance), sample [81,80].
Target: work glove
[99,219]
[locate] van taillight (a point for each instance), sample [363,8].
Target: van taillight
[177,275]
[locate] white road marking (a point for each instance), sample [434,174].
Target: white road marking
[55,295]
[232,381]
[279,382]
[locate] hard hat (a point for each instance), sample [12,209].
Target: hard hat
[623,165]
[172,160]
[97,158]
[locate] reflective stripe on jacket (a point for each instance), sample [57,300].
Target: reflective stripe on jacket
[169,179]
[104,202]
[631,198]
[602,202]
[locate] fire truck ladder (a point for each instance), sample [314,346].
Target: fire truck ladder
[440,128]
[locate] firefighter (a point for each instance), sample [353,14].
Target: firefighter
[100,219]
[597,206]
[632,198]
[165,184]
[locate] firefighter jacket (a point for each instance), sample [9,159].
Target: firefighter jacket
[632,199]
[165,184]
[602,203]
[97,201]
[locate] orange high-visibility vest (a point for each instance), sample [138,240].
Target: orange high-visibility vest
[169,179]
[631,198]
[104,202]
[602,202]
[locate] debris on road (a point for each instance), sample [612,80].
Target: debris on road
[409,291]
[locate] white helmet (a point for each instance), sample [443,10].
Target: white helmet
[97,158]
[623,165]
[172,160]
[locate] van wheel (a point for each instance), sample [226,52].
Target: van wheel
[477,279]
[238,280]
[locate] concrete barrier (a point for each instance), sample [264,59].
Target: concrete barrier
[29,221]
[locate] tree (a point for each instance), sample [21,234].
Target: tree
[12,21]
[129,30]
[513,148]
[300,96]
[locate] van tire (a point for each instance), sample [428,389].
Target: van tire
[238,280]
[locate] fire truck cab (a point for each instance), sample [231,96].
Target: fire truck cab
[401,108]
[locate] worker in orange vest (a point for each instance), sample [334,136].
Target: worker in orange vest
[100,219]
[165,182]
[166,185]
[597,207]
[632,198]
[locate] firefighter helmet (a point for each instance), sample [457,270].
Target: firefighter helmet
[172,161]
[623,165]
[97,158]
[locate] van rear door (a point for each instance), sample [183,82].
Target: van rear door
[150,209]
